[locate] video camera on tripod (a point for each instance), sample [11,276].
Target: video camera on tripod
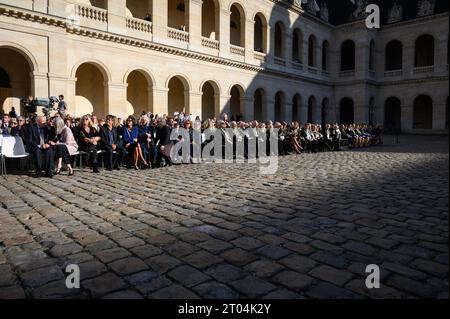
[47,104]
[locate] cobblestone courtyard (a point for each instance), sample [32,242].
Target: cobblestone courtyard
[225,231]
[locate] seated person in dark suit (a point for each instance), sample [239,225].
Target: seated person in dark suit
[38,145]
[163,132]
[110,143]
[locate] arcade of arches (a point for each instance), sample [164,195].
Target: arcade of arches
[91,87]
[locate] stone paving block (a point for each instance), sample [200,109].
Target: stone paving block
[226,273]
[202,259]
[332,275]
[294,280]
[215,290]
[273,252]
[298,263]
[128,266]
[162,263]
[247,243]
[252,287]
[124,295]
[215,246]
[328,291]
[173,292]
[103,284]
[113,254]
[39,277]
[187,276]
[12,292]
[264,268]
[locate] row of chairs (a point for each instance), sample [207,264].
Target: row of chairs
[13,148]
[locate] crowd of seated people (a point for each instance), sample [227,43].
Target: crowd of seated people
[146,142]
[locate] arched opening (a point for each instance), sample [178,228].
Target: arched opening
[210,101]
[325,52]
[139,90]
[394,55]
[423,113]
[297,46]
[260,36]
[347,111]
[15,81]
[372,111]
[91,90]
[236,103]
[393,114]
[424,51]
[348,56]
[178,15]
[279,107]
[372,55]
[178,95]
[311,108]
[5,82]
[103,4]
[312,51]
[324,111]
[140,9]
[446,114]
[279,40]
[296,105]
[259,101]
[237,25]
[210,19]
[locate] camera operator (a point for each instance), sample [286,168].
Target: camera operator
[62,107]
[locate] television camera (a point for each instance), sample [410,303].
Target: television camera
[47,104]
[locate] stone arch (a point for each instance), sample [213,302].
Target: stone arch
[348,55]
[99,64]
[211,22]
[237,103]
[393,55]
[280,106]
[16,68]
[347,111]
[297,45]
[237,24]
[423,112]
[210,99]
[179,93]
[24,52]
[260,100]
[296,107]
[312,104]
[279,39]
[139,80]
[424,51]
[91,89]
[393,114]
[260,33]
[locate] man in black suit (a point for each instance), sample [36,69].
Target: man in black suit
[110,143]
[38,145]
[163,132]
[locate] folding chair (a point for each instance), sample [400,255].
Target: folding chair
[12,147]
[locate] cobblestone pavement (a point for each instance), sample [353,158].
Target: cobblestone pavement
[225,231]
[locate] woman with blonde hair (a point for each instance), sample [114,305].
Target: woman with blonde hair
[65,145]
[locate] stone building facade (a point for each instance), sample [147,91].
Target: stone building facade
[259,59]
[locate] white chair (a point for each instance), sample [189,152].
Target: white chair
[12,147]
[2,159]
